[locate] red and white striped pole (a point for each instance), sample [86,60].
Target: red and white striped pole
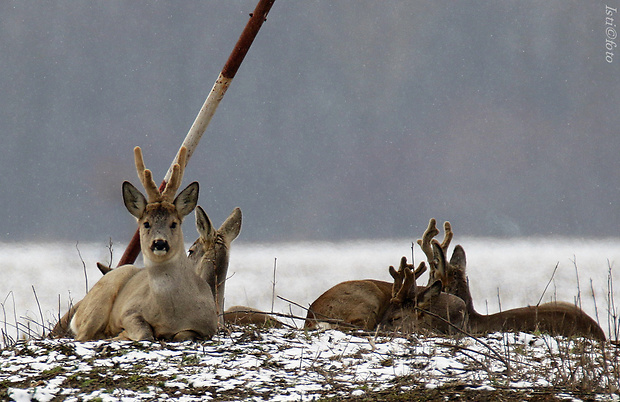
[210,106]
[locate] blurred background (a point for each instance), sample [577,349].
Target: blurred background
[347,120]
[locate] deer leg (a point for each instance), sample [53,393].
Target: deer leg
[136,329]
[187,335]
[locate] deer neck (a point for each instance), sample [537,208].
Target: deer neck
[460,288]
[168,276]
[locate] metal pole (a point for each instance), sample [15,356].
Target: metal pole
[210,106]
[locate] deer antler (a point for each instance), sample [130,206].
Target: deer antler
[432,231]
[146,177]
[425,242]
[447,236]
[177,175]
[404,279]
[429,245]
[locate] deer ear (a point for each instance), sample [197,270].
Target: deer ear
[232,226]
[425,298]
[458,258]
[187,199]
[135,202]
[203,224]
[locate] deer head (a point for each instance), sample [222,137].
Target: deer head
[160,215]
[411,304]
[211,251]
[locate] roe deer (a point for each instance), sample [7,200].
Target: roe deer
[399,306]
[210,255]
[165,300]
[211,251]
[555,318]
[242,315]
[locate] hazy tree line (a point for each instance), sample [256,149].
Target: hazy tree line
[347,120]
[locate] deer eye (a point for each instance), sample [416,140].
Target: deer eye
[146,225]
[173,225]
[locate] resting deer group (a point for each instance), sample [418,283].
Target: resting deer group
[399,306]
[555,318]
[167,299]
[178,297]
[442,306]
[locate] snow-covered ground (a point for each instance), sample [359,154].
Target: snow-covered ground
[514,272]
[291,364]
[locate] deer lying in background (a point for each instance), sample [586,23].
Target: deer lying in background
[165,300]
[397,306]
[242,315]
[555,318]
[210,255]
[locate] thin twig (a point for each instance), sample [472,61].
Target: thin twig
[83,264]
[40,312]
[462,331]
[322,318]
[15,314]
[499,300]
[594,299]
[578,287]
[548,283]
[612,314]
[273,283]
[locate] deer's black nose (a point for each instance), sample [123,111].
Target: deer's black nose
[160,246]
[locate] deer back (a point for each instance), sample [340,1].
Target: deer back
[555,318]
[359,304]
[242,315]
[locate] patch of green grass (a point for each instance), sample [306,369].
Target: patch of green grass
[52,372]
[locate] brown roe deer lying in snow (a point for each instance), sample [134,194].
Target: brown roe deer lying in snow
[399,306]
[555,318]
[165,300]
[210,255]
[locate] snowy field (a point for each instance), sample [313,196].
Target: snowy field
[513,272]
[284,365]
[290,365]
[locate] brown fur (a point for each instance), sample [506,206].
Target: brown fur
[210,252]
[556,318]
[370,304]
[242,315]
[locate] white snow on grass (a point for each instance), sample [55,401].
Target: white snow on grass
[280,364]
